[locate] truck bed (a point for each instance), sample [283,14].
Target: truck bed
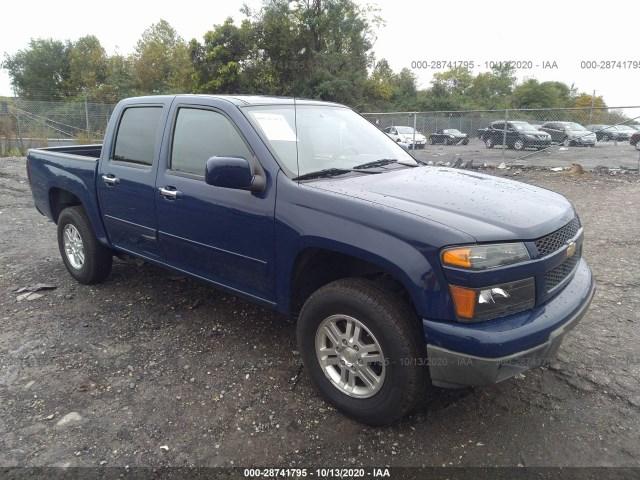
[63,176]
[92,151]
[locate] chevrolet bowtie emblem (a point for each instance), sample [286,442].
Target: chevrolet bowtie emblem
[571,249]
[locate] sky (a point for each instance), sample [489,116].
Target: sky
[573,39]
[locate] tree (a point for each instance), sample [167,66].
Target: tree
[41,70]
[533,94]
[218,62]
[88,65]
[119,82]
[161,62]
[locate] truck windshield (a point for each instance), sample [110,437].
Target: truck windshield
[313,138]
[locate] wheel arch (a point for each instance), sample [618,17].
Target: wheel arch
[314,267]
[60,198]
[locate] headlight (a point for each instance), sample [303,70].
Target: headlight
[483,257]
[452,136]
[478,304]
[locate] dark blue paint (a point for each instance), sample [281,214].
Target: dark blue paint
[513,333]
[228,173]
[248,242]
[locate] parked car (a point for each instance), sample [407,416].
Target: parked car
[635,127]
[519,135]
[397,273]
[449,136]
[569,133]
[608,132]
[406,135]
[626,129]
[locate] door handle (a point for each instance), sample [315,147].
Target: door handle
[110,179]
[170,193]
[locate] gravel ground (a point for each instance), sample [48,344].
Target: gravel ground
[153,369]
[606,154]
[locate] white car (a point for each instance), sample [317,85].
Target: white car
[406,135]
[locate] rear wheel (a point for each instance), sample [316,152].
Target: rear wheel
[489,142]
[446,141]
[431,142]
[86,259]
[566,142]
[364,350]
[605,137]
[518,144]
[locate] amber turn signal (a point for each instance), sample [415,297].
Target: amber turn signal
[457,257]
[464,300]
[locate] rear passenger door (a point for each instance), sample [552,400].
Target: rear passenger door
[220,234]
[126,179]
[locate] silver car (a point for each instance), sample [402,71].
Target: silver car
[569,133]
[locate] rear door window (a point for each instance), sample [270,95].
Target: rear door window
[136,136]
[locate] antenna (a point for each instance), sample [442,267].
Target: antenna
[295,124]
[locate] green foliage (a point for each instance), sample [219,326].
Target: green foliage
[309,48]
[161,61]
[88,65]
[41,69]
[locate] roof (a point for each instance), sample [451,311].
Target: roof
[247,100]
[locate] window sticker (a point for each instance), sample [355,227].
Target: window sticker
[275,127]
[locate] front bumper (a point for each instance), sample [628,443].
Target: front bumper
[486,353]
[538,143]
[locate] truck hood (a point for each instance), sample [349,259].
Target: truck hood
[486,207]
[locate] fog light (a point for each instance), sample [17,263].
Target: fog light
[477,304]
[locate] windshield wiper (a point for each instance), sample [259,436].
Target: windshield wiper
[327,172]
[376,163]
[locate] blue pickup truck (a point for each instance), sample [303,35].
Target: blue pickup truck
[400,274]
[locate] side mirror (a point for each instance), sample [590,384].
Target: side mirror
[232,172]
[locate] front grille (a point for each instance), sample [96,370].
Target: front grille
[554,277]
[556,240]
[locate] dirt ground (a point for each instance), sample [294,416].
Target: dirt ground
[153,369]
[605,154]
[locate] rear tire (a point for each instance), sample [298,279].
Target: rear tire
[86,259]
[364,350]
[489,142]
[518,144]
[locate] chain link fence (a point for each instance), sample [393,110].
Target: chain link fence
[37,123]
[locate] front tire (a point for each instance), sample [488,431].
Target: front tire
[86,259]
[364,350]
[431,142]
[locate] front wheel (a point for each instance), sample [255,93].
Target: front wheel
[431,142]
[86,259]
[364,350]
[605,137]
[566,142]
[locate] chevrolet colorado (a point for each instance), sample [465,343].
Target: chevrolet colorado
[400,274]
